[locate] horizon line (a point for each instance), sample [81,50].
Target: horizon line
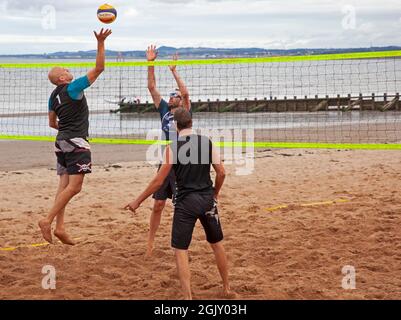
[201,48]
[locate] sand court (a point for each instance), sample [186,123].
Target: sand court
[290,228]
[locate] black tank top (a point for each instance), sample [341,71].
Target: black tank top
[73,114]
[192,157]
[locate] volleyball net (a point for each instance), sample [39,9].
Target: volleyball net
[336,100]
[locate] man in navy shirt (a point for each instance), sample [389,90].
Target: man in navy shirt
[69,115]
[178,98]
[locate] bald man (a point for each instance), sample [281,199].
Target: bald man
[69,114]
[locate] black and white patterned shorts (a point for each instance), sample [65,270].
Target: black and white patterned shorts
[73,156]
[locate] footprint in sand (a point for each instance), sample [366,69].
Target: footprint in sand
[96,206]
[106,220]
[249,289]
[167,283]
[208,286]
[240,263]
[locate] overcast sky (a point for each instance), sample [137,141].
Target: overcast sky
[27,26]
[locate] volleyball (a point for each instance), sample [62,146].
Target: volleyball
[107,13]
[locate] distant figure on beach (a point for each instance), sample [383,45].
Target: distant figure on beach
[178,98]
[191,157]
[69,114]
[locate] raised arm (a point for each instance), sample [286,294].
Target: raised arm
[181,85]
[218,166]
[94,73]
[156,183]
[151,55]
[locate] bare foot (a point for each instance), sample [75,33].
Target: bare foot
[46,229]
[230,295]
[64,237]
[149,253]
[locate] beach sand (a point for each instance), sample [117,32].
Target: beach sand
[294,252]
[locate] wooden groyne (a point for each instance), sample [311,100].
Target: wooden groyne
[294,104]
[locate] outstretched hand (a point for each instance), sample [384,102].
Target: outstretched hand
[151,53]
[175,58]
[102,35]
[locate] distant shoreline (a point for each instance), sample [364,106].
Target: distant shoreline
[193,53]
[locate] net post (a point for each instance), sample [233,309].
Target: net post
[349,103]
[270,104]
[373,102]
[385,100]
[295,104]
[338,102]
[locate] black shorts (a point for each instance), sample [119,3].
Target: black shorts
[187,211]
[73,157]
[168,189]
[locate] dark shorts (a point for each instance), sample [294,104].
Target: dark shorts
[187,211]
[73,157]
[168,189]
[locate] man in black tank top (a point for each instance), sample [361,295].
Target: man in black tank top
[192,157]
[69,115]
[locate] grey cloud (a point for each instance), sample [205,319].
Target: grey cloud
[69,5]
[241,23]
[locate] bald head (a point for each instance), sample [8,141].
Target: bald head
[59,75]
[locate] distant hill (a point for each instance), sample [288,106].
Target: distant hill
[165,52]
